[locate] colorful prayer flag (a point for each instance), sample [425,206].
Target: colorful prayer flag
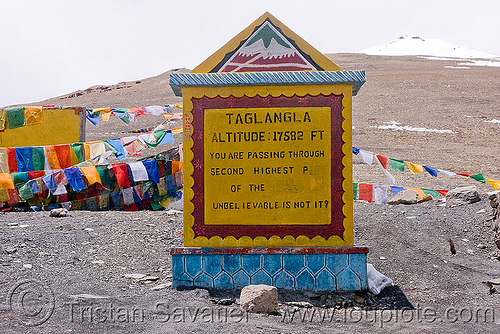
[414,168]
[431,170]
[397,164]
[478,177]
[33,115]
[495,184]
[15,117]
[383,160]
[365,192]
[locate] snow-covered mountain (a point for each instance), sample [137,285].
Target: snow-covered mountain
[418,46]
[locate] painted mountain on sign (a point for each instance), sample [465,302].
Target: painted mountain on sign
[267,50]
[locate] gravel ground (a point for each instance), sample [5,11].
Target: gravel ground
[84,259]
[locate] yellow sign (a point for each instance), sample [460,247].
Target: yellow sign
[267,166]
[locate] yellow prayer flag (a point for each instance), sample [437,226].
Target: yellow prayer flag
[179,105]
[90,173]
[168,116]
[419,190]
[494,183]
[51,155]
[33,115]
[4,195]
[73,157]
[86,148]
[2,120]
[415,168]
[104,112]
[165,202]
[176,131]
[4,160]
[6,181]
[176,166]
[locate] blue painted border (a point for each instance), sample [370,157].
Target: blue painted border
[354,78]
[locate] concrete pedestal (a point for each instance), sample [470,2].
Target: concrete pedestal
[290,268]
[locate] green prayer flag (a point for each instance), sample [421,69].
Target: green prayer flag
[38,158]
[25,192]
[397,164]
[159,137]
[478,177]
[156,206]
[21,177]
[104,175]
[78,149]
[431,192]
[354,191]
[15,117]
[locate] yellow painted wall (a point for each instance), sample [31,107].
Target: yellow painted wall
[59,126]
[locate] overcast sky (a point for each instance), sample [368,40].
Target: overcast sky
[50,48]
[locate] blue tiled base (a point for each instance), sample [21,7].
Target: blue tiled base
[318,269]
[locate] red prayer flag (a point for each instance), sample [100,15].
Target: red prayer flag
[131,207]
[11,156]
[14,197]
[121,173]
[36,174]
[365,192]
[442,192]
[383,160]
[464,174]
[63,155]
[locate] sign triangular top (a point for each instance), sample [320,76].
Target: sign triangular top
[266,45]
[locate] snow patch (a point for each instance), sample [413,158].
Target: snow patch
[458,67]
[493,121]
[418,46]
[490,63]
[395,126]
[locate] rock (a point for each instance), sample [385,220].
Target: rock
[382,258]
[461,196]
[88,296]
[27,266]
[481,246]
[161,286]
[88,229]
[60,212]
[300,304]
[134,276]
[452,247]
[12,224]
[224,301]
[98,262]
[481,211]
[426,198]
[407,196]
[259,299]
[312,294]
[148,279]
[67,227]
[10,250]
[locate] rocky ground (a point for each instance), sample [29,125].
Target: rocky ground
[110,272]
[98,263]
